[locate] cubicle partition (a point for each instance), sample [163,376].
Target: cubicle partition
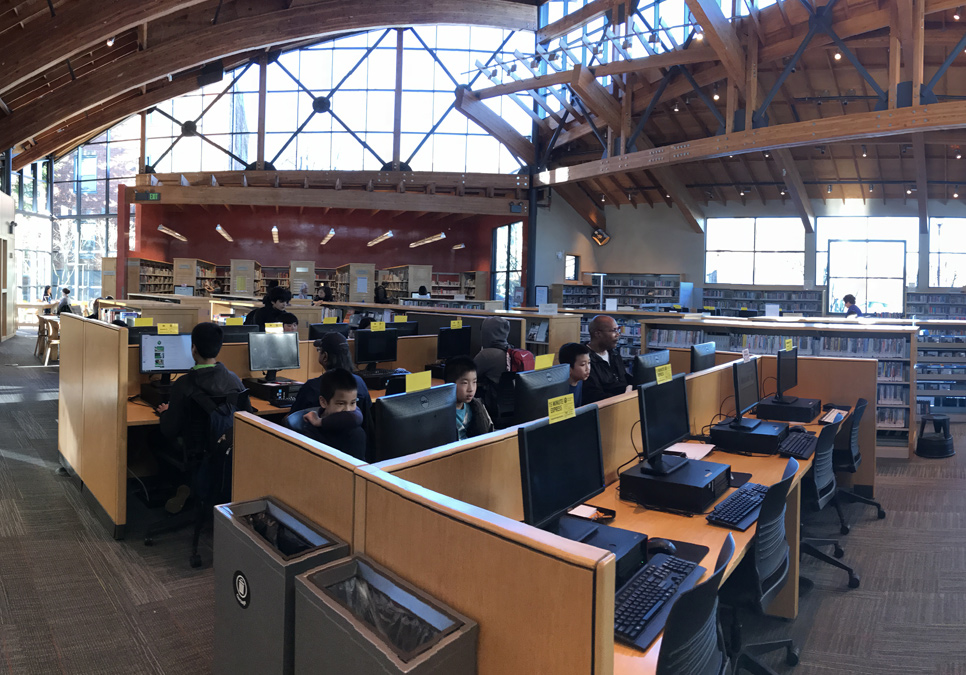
[187,316]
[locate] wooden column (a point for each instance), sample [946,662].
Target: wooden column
[123,237]
[142,161]
[262,94]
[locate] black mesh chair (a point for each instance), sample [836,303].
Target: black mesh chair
[819,490]
[693,643]
[846,458]
[761,576]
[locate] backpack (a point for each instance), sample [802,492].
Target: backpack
[519,360]
[215,454]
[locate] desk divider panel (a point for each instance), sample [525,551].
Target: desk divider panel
[70,403]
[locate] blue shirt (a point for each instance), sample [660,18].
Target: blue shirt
[463,417]
[578,391]
[853,309]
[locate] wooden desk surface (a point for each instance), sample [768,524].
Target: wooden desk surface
[140,415]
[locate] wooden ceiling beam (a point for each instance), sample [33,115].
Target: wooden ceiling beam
[592,10]
[584,206]
[474,109]
[720,34]
[796,187]
[922,181]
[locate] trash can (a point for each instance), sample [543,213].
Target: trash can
[259,548]
[354,616]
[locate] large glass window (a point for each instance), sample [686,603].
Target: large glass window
[872,271]
[508,265]
[947,252]
[761,251]
[861,228]
[33,256]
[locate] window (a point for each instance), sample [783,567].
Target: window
[33,256]
[861,228]
[947,252]
[762,251]
[572,267]
[508,264]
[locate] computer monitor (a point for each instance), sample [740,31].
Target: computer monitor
[746,393]
[272,352]
[407,423]
[404,328]
[355,320]
[237,334]
[164,355]
[453,342]
[317,330]
[702,356]
[787,375]
[374,347]
[748,313]
[645,366]
[533,388]
[134,333]
[664,422]
[561,466]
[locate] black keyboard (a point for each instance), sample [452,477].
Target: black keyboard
[283,402]
[739,509]
[375,379]
[641,606]
[798,445]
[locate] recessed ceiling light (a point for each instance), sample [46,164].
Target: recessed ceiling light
[838,56]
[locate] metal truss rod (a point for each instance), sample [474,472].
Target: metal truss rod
[356,136]
[632,141]
[953,53]
[593,127]
[704,98]
[359,63]
[292,137]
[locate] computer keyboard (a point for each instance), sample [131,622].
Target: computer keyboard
[283,402]
[643,603]
[739,509]
[832,416]
[375,379]
[798,445]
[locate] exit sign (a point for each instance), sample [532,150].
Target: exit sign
[147,196]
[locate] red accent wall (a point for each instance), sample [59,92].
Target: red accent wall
[300,236]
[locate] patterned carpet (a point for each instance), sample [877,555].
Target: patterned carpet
[73,600]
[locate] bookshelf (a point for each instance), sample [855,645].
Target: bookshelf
[628,289]
[143,276]
[730,299]
[404,280]
[194,273]
[446,285]
[475,285]
[354,282]
[940,377]
[547,333]
[489,305]
[575,296]
[275,273]
[246,278]
[941,303]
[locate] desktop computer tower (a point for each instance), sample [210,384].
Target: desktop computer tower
[764,438]
[692,488]
[803,410]
[271,391]
[630,548]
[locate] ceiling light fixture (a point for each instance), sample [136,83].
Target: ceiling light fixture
[838,56]
[428,240]
[783,192]
[959,154]
[956,192]
[220,230]
[169,231]
[327,237]
[380,238]
[741,192]
[828,188]
[865,153]
[275,234]
[458,247]
[956,14]
[700,36]
[871,187]
[676,108]
[716,96]
[110,41]
[767,155]
[909,190]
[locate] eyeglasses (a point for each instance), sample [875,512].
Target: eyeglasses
[615,331]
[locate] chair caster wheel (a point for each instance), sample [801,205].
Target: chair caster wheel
[881,514]
[148,541]
[839,552]
[853,582]
[844,529]
[195,560]
[791,658]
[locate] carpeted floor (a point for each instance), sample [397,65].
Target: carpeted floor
[73,600]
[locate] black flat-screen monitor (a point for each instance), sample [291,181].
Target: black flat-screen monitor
[748,313]
[408,423]
[746,393]
[645,366]
[453,342]
[164,355]
[374,347]
[404,328]
[237,333]
[134,333]
[664,422]
[787,374]
[702,356]
[532,389]
[317,330]
[271,352]
[561,466]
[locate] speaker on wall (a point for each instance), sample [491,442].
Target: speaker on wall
[601,237]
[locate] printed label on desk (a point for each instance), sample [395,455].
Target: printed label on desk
[663,373]
[543,361]
[400,318]
[745,355]
[457,324]
[419,381]
[788,345]
[143,322]
[235,321]
[167,329]
[377,326]
[274,328]
[561,408]
[330,319]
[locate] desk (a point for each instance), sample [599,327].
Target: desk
[140,415]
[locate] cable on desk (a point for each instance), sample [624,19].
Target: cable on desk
[136,401]
[637,455]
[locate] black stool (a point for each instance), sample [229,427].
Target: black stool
[936,445]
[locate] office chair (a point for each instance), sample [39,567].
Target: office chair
[761,576]
[202,454]
[819,490]
[693,643]
[847,458]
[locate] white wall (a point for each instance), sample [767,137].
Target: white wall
[561,230]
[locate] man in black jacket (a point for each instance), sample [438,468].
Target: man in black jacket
[607,375]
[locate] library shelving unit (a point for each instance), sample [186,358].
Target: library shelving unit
[109,277]
[892,343]
[145,276]
[275,273]
[628,289]
[354,282]
[731,299]
[939,303]
[444,303]
[547,333]
[404,280]
[246,278]
[223,275]
[575,296]
[193,273]
[446,285]
[475,285]
[940,375]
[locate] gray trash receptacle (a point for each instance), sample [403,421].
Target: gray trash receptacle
[259,548]
[354,616]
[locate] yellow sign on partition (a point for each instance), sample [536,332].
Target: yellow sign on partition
[561,408]
[143,322]
[456,324]
[744,308]
[788,344]
[330,319]
[274,328]
[419,381]
[377,326]
[167,329]
[543,361]
[400,318]
[235,321]
[663,373]
[676,306]
[709,308]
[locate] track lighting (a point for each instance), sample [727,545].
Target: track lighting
[716,96]
[865,153]
[170,232]
[220,230]
[676,108]
[380,238]
[828,188]
[275,234]
[428,240]
[871,187]
[956,192]
[956,14]
[110,41]
[327,237]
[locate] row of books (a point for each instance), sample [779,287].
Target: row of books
[665,337]
[957,299]
[952,369]
[892,393]
[893,370]
[941,386]
[945,353]
[892,417]
[770,344]
[864,347]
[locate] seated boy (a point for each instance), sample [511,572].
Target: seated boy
[471,416]
[577,356]
[337,422]
[290,322]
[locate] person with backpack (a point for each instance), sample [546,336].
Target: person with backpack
[496,357]
[607,374]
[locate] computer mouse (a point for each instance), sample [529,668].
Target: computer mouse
[655,546]
[797,429]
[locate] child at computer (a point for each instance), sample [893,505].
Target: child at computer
[577,356]
[471,416]
[290,322]
[337,422]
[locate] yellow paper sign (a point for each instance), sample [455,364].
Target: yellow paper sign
[663,373]
[543,361]
[330,319]
[167,329]
[235,321]
[788,345]
[561,408]
[377,326]
[709,308]
[418,381]
[676,306]
[241,285]
[274,328]
[744,308]
[458,323]
[143,322]
[400,318]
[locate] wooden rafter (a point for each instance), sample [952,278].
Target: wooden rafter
[796,188]
[720,34]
